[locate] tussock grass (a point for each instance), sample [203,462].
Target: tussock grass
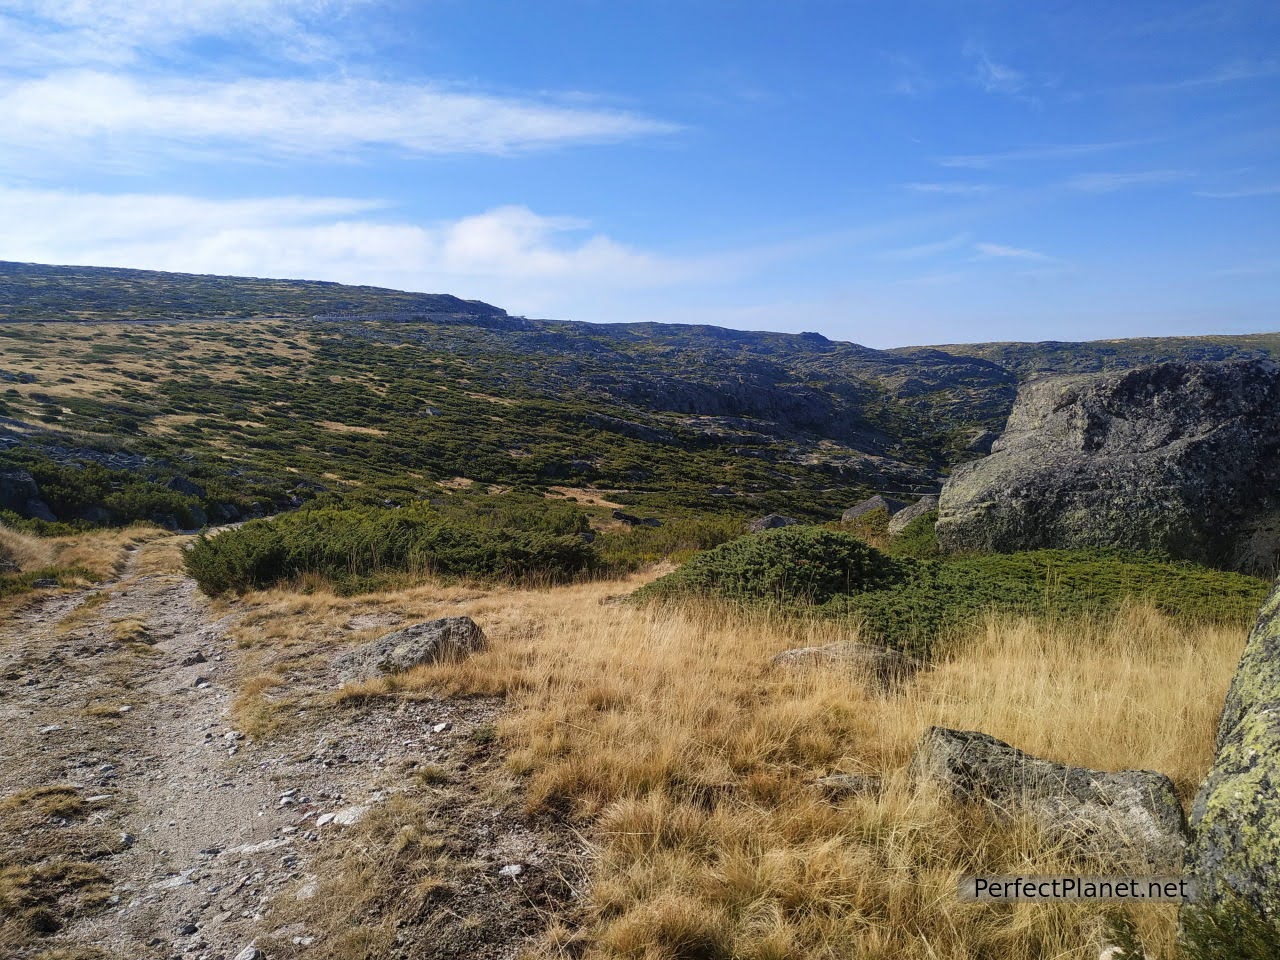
[690,761]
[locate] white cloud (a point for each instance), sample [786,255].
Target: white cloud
[1111,182]
[508,255]
[924,250]
[981,161]
[43,32]
[1000,251]
[1264,190]
[114,117]
[950,189]
[997,77]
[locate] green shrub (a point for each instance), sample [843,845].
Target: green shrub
[1234,929]
[791,566]
[512,538]
[917,539]
[912,603]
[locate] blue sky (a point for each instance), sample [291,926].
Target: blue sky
[889,173]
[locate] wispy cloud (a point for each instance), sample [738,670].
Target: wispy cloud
[950,189]
[997,77]
[107,114]
[923,250]
[41,33]
[1237,71]
[982,161]
[512,254]
[1002,252]
[1263,190]
[1111,182]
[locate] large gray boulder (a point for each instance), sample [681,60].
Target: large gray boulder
[450,638]
[1179,458]
[1235,819]
[20,493]
[1132,818]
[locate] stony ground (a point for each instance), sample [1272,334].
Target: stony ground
[119,756]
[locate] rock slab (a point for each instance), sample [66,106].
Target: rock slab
[449,638]
[871,505]
[1131,817]
[1178,458]
[1235,818]
[885,666]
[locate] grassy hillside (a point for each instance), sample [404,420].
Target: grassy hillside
[188,399]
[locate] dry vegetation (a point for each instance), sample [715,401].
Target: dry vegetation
[689,761]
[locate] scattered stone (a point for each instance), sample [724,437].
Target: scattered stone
[251,952]
[350,816]
[450,638]
[902,519]
[1133,815]
[193,659]
[51,728]
[623,517]
[44,584]
[772,521]
[126,709]
[839,786]
[187,930]
[511,870]
[127,840]
[889,505]
[325,819]
[201,682]
[441,727]
[884,666]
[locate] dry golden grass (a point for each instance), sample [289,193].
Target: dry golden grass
[690,761]
[28,552]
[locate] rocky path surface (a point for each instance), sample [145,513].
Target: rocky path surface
[123,693]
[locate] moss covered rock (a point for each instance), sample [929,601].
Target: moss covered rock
[1235,854]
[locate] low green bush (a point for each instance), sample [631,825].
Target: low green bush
[911,603]
[511,538]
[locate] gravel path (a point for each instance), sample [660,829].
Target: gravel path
[123,692]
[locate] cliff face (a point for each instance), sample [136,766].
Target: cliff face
[1181,458]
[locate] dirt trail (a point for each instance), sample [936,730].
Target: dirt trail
[123,692]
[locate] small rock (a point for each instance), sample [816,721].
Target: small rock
[841,785]
[350,816]
[126,709]
[127,840]
[511,870]
[187,929]
[441,727]
[201,682]
[251,952]
[51,728]
[44,584]
[195,658]
[325,819]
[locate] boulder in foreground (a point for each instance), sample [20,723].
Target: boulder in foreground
[1178,458]
[1235,819]
[1132,817]
[450,638]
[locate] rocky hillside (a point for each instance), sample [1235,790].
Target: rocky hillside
[134,394]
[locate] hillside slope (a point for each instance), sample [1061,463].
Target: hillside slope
[200,397]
